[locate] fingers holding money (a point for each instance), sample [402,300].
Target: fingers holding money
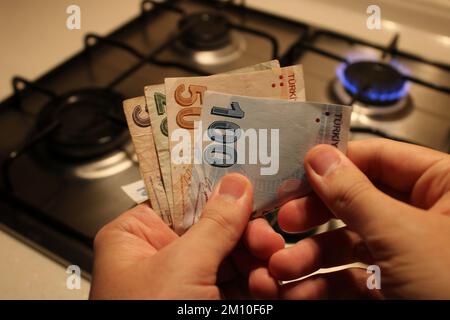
[350,283]
[302,214]
[223,220]
[250,258]
[261,240]
[262,285]
[259,243]
[244,276]
[320,251]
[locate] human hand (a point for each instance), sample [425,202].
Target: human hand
[138,257]
[395,200]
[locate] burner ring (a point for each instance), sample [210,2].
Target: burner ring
[369,110]
[379,88]
[375,83]
[208,39]
[87,128]
[205,31]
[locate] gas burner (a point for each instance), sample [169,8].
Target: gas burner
[207,31]
[207,39]
[379,88]
[89,124]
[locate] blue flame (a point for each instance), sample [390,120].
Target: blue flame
[370,94]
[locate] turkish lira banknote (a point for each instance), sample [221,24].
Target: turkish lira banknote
[262,102]
[156,109]
[184,99]
[265,140]
[138,121]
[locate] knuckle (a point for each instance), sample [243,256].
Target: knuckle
[348,198]
[131,215]
[121,222]
[136,211]
[100,236]
[443,173]
[215,216]
[361,252]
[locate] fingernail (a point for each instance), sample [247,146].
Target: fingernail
[324,160]
[232,187]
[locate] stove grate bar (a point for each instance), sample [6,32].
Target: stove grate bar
[148,5]
[273,41]
[14,155]
[149,59]
[393,50]
[241,27]
[304,43]
[427,84]
[309,47]
[19,84]
[88,43]
[143,58]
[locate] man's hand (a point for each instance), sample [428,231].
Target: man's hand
[395,201]
[138,257]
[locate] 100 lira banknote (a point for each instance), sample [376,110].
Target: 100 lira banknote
[265,140]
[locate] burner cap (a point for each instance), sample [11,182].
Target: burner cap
[89,123]
[206,31]
[375,83]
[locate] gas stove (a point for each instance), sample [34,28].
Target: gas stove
[65,151]
[394,94]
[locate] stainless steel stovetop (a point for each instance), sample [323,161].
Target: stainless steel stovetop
[65,151]
[423,118]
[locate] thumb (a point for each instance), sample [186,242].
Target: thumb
[349,194]
[223,220]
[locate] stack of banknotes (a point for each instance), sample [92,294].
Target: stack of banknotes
[191,131]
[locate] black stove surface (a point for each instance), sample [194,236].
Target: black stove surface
[65,151]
